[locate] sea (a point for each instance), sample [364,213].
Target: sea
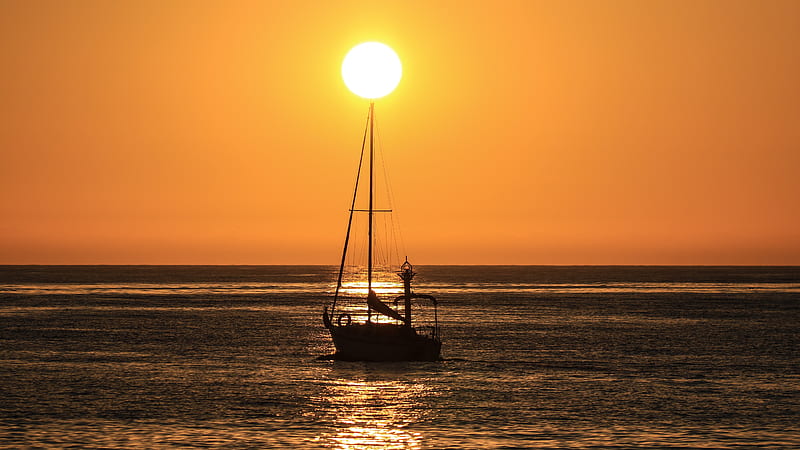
[533,357]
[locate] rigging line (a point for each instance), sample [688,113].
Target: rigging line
[389,240]
[381,238]
[390,195]
[357,256]
[395,217]
[387,237]
[350,219]
[380,254]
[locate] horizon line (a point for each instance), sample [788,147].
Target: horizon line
[417,264]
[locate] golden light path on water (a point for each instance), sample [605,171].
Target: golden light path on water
[353,296]
[383,288]
[380,287]
[372,414]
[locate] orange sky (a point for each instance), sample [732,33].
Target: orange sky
[607,132]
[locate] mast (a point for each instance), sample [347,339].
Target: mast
[371,212]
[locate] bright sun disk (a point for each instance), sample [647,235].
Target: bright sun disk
[371,70]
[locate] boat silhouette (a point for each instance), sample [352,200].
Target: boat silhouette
[385,333]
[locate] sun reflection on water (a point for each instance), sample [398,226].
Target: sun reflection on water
[353,297]
[379,286]
[372,414]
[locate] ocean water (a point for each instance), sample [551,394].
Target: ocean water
[535,357]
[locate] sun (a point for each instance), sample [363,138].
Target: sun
[371,70]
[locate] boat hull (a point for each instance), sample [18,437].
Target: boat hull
[383,342]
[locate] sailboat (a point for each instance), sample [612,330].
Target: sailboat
[384,332]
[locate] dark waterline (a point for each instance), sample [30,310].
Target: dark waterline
[536,356]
